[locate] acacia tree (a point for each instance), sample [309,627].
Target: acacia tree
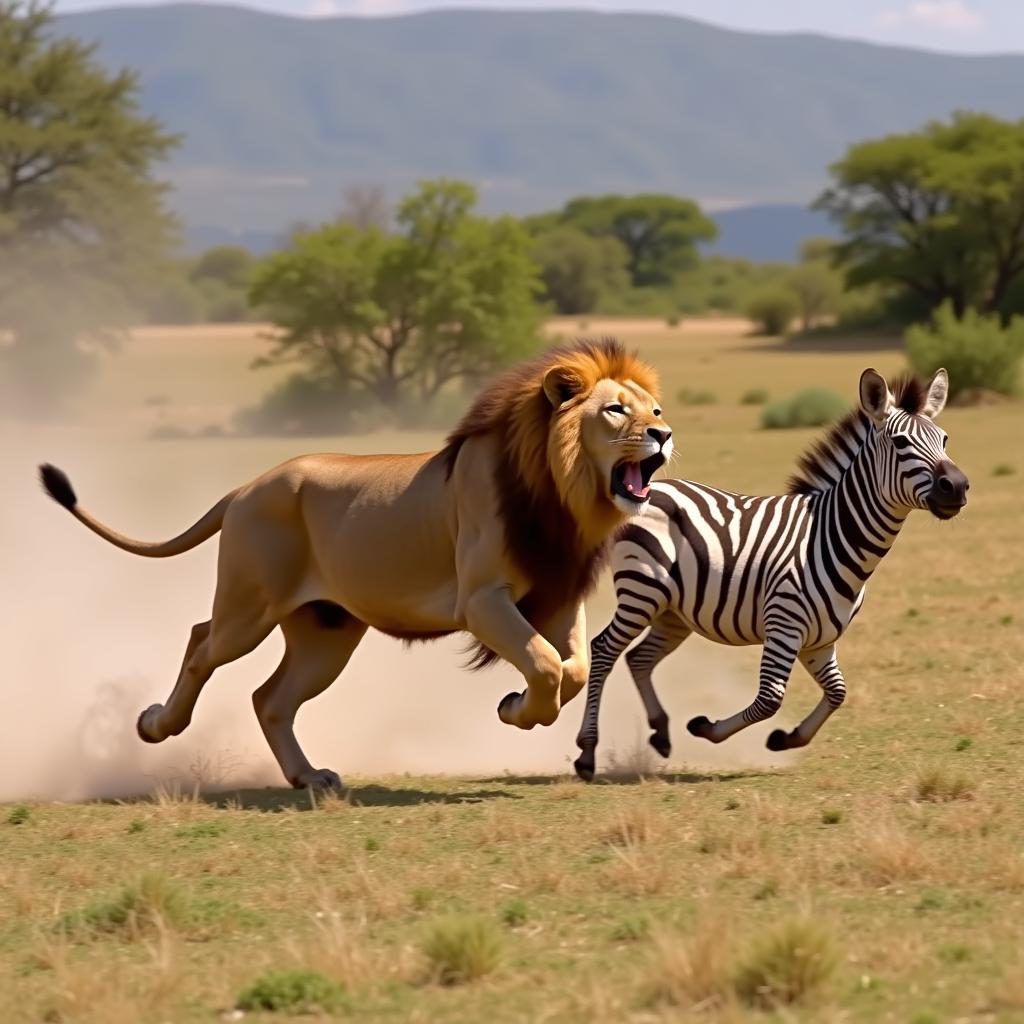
[447,297]
[578,270]
[82,223]
[940,211]
[659,232]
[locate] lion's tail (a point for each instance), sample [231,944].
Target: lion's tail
[58,486]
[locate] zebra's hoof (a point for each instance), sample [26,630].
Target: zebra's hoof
[661,743]
[584,767]
[778,739]
[699,726]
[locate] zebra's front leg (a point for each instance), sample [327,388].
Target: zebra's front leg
[822,665]
[777,659]
[665,636]
[605,650]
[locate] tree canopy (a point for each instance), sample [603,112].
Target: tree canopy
[395,317]
[579,271]
[658,232]
[82,223]
[939,211]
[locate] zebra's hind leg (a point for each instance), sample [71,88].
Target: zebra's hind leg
[822,665]
[666,634]
[605,650]
[777,659]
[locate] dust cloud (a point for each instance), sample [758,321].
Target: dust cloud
[92,635]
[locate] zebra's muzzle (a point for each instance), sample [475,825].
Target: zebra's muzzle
[949,492]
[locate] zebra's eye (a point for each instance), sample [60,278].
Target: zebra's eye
[618,410]
[901,441]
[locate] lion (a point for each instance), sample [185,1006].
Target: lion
[499,534]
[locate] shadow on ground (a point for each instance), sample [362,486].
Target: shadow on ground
[360,796]
[613,778]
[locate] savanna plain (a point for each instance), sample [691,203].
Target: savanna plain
[467,875]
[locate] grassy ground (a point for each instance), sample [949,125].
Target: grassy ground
[880,877]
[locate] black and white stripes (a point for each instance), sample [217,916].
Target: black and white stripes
[786,572]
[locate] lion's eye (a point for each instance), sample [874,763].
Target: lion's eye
[657,412]
[619,410]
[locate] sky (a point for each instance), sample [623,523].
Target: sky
[964,26]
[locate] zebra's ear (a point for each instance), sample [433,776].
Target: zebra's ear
[938,390]
[875,397]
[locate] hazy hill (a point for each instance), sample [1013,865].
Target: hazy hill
[279,113]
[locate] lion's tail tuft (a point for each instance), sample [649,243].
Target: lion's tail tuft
[57,485]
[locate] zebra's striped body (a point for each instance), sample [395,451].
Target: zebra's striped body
[787,572]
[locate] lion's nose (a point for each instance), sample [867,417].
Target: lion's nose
[660,434]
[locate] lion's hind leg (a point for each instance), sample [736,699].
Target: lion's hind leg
[230,634]
[319,640]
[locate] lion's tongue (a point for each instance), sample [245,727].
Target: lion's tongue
[634,480]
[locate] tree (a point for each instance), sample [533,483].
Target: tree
[659,232]
[82,225]
[577,270]
[221,275]
[448,297]
[816,288]
[941,211]
[366,206]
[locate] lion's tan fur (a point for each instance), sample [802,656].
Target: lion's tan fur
[498,535]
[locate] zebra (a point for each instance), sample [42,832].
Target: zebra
[787,572]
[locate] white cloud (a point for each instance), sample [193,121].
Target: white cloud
[355,8]
[943,15]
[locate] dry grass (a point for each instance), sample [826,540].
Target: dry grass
[458,950]
[692,971]
[678,888]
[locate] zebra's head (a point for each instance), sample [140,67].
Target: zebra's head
[915,471]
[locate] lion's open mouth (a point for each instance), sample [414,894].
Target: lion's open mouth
[632,480]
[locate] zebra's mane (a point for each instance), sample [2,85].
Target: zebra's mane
[822,466]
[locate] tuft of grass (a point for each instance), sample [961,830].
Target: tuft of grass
[790,965]
[150,903]
[514,913]
[831,816]
[292,991]
[964,743]
[202,830]
[20,813]
[767,890]
[632,928]
[812,407]
[732,804]
[691,971]
[422,897]
[1003,469]
[460,949]
[372,844]
[135,826]
[755,396]
[1006,620]
[696,396]
[938,785]
[955,953]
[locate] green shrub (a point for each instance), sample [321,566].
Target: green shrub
[789,965]
[152,900]
[772,310]
[755,396]
[1003,469]
[514,912]
[19,815]
[460,949]
[978,351]
[812,407]
[292,991]
[691,396]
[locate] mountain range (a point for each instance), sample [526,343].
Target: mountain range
[280,114]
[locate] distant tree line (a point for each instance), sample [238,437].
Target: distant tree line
[405,305]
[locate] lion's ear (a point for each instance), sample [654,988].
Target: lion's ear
[561,384]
